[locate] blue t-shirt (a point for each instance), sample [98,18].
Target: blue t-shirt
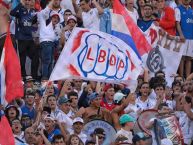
[144,25]
[186,21]
[24,19]
[53,133]
[26,111]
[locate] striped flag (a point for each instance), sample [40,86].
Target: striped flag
[10,87]
[125,28]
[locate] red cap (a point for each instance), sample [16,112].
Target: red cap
[5,3]
[106,87]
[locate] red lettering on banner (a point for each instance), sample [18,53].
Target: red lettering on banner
[102,55]
[153,35]
[88,55]
[132,65]
[112,60]
[121,64]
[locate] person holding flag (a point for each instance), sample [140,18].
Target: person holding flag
[10,73]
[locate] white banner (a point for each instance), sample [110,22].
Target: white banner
[166,54]
[95,55]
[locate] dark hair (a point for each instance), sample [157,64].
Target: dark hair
[58,136]
[72,93]
[74,135]
[176,83]
[87,1]
[155,81]
[177,77]
[7,110]
[188,99]
[159,85]
[67,10]
[141,86]
[49,97]
[160,71]
[38,92]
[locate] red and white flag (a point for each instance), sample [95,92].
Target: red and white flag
[10,87]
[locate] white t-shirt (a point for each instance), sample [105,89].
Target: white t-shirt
[19,138]
[191,127]
[134,112]
[148,104]
[62,117]
[134,15]
[127,134]
[91,19]
[184,122]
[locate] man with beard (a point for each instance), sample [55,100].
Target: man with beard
[29,135]
[146,21]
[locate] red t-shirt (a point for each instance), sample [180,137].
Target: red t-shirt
[109,107]
[168,21]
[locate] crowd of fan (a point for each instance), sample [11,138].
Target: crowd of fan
[56,112]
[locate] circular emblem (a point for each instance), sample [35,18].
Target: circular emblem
[155,61]
[96,124]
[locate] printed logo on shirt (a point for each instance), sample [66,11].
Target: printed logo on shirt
[189,20]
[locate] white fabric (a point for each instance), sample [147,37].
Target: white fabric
[184,122]
[134,112]
[46,32]
[134,15]
[127,134]
[47,13]
[177,15]
[148,104]
[62,117]
[91,19]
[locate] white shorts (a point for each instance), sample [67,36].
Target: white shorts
[188,49]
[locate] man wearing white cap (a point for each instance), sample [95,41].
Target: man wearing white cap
[67,30]
[47,38]
[49,123]
[78,124]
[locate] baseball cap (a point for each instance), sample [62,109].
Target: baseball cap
[118,97]
[126,118]
[49,117]
[78,119]
[71,17]
[93,96]
[63,100]
[28,79]
[5,3]
[139,136]
[55,14]
[99,131]
[166,141]
[107,86]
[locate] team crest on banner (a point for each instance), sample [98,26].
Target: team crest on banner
[165,48]
[96,55]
